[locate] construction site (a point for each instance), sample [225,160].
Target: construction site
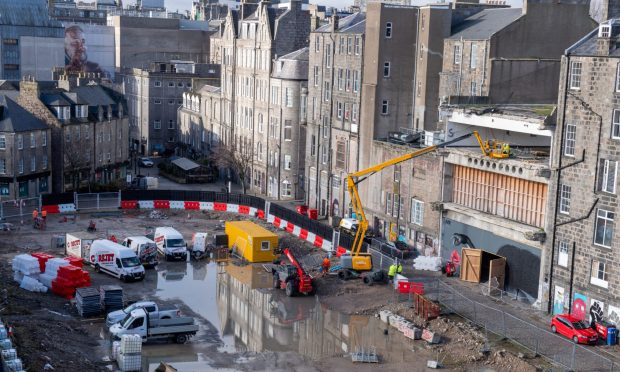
[243,322]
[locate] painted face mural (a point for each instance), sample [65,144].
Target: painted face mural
[579,308]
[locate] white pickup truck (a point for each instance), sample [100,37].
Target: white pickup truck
[155,312]
[138,322]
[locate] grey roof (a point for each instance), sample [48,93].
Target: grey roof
[294,66]
[93,95]
[14,118]
[185,164]
[26,13]
[209,89]
[483,25]
[345,24]
[54,99]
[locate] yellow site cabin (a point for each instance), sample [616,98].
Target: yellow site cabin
[251,241]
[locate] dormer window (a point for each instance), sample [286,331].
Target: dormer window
[81,111]
[604,31]
[63,112]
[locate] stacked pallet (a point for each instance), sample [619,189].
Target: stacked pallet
[8,354]
[111,297]
[26,270]
[87,302]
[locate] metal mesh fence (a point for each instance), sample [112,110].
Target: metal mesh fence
[531,336]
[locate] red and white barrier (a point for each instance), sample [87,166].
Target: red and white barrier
[303,234]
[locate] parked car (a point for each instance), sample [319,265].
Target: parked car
[146,162]
[577,330]
[155,312]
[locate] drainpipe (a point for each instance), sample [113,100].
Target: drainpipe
[557,186]
[415,70]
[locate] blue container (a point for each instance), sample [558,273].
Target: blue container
[611,335]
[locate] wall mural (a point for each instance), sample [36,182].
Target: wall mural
[558,300]
[596,310]
[578,310]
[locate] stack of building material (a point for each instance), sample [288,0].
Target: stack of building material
[116,345]
[69,278]
[32,285]
[42,257]
[87,302]
[129,354]
[111,297]
[8,355]
[75,261]
[25,265]
[427,263]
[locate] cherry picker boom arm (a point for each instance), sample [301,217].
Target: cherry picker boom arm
[354,178]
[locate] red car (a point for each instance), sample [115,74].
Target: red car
[573,328]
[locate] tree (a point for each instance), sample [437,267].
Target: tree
[237,159]
[75,160]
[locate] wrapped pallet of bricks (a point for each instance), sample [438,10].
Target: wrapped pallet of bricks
[129,353]
[26,264]
[116,345]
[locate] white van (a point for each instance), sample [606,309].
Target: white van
[170,243]
[116,260]
[145,248]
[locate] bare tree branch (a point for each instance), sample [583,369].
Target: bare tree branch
[236,158]
[76,159]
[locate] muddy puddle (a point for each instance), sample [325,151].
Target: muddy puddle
[246,325]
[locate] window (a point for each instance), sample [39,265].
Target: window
[473,88]
[341,154]
[563,254]
[10,41]
[2,166]
[324,154]
[397,173]
[316,76]
[565,192]
[457,54]
[386,69]
[348,81]
[605,31]
[158,84]
[569,143]
[23,189]
[20,166]
[158,102]
[264,245]
[286,188]
[388,203]
[604,228]
[288,130]
[325,127]
[599,275]
[354,113]
[608,170]
[356,81]
[170,124]
[575,75]
[339,110]
[473,56]
[287,162]
[388,30]
[350,45]
[180,84]
[288,97]
[43,184]
[33,141]
[615,124]
[171,102]
[317,44]
[328,56]
[326,91]
[44,162]
[20,142]
[2,142]
[341,46]
[397,204]
[417,211]
[357,45]
[33,163]
[385,107]
[44,138]
[313,145]
[340,79]
[157,124]
[618,78]
[171,84]
[260,123]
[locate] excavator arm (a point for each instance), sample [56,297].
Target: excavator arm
[355,178]
[485,150]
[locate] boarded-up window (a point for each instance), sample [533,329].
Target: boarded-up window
[501,195]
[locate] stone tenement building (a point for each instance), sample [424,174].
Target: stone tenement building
[90,130]
[25,152]
[584,260]
[498,55]
[260,109]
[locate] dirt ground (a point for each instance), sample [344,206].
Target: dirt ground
[48,329]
